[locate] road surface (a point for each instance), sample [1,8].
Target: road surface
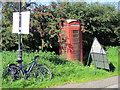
[111,82]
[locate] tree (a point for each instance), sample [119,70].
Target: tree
[43,27]
[101,21]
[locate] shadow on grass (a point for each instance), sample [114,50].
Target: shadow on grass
[112,67]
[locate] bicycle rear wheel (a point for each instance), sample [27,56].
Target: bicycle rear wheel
[42,73]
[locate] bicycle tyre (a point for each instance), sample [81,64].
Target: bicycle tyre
[5,73]
[9,73]
[42,73]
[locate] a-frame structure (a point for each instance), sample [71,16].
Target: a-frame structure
[98,55]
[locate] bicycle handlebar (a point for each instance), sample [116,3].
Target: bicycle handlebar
[35,57]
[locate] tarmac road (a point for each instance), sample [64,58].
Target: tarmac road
[111,82]
[114,86]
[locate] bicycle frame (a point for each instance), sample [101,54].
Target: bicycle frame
[29,68]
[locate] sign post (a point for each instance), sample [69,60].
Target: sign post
[20,26]
[19,60]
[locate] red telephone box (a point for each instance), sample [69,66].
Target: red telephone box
[71,44]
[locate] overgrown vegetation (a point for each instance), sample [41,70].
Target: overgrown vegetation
[101,21]
[63,71]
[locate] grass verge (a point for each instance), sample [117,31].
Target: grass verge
[63,71]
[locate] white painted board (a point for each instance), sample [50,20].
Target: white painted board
[96,47]
[25,19]
[98,55]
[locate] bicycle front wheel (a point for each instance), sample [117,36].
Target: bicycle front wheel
[9,72]
[42,73]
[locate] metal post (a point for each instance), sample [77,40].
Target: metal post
[19,60]
[88,60]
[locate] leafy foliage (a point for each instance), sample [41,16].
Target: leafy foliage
[101,21]
[63,71]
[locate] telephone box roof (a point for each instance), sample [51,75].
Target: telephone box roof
[70,20]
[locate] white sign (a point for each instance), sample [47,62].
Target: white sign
[25,19]
[98,55]
[96,47]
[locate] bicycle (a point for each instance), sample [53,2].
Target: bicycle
[39,72]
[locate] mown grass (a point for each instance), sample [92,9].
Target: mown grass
[63,71]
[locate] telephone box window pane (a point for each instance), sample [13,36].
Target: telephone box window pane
[75,35]
[63,36]
[76,40]
[76,43]
[64,31]
[77,47]
[63,48]
[63,45]
[76,56]
[75,31]
[76,52]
